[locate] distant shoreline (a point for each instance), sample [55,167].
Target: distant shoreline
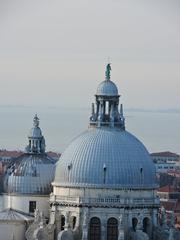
[159,110]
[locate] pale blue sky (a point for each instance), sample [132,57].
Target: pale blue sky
[53,53]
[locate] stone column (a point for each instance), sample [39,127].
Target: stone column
[67,225]
[103,228]
[140,222]
[121,228]
[57,223]
[130,220]
[85,225]
[155,217]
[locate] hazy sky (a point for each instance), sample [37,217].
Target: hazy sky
[53,53]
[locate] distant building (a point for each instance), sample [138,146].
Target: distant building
[168,192]
[165,157]
[164,167]
[165,161]
[170,200]
[6,156]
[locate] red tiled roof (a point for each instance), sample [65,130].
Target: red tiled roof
[14,154]
[174,171]
[167,189]
[5,153]
[53,154]
[169,205]
[165,154]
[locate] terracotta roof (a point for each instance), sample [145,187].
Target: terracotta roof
[53,154]
[5,153]
[164,154]
[174,171]
[167,189]
[171,205]
[14,154]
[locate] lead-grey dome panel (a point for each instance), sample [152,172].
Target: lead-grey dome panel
[105,157]
[30,174]
[107,88]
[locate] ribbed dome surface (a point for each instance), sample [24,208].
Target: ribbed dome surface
[107,88]
[105,157]
[14,215]
[30,174]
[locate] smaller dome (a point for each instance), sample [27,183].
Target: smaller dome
[35,132]
[10,214]
[107,88]
[30,174]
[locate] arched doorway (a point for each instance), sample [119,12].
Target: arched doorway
[95,229]
[134,224]
[112,229]
[62,222]
[147,226]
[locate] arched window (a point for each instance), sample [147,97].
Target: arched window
[95,229]
[62,222]
[72,222]
[146,225]
[134,223]
[112,229]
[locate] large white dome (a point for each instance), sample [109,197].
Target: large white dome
[105,157]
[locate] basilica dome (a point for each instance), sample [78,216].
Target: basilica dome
[106,155]
[105,158]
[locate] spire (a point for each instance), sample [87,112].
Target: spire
[36,139]
[108,72]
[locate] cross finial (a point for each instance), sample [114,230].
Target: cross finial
[108,72]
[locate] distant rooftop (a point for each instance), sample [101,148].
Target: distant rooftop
[6,153]
[15,154]
[174,171]
[166,189]
[171,205]
[165,154]
[53,154]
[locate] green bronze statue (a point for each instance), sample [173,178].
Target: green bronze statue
[108,72]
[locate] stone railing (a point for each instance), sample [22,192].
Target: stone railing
[104,201]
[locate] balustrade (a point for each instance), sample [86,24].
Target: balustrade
[104,201]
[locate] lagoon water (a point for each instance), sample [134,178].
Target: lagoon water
[158,131]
